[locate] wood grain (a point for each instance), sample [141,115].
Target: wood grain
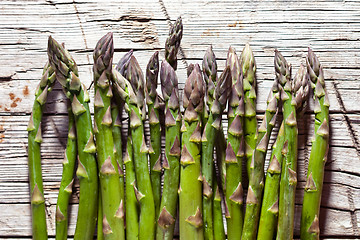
[329,27]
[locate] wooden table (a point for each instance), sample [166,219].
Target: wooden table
[331,28]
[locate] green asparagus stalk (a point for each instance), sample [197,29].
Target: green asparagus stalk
[218,91]
[247,62]
[256,181]
[132,92]
[270,204]
[34,156]
[116,111]
[288,177]
[116,130]
[131,206]
[209,67]
[152,101]
[67,181]
[289,164]
[219,230]
[309,228]
[166,217]
[190,220]
[67,74]
[234,151]
[172,43]
[112,207]
[144,188]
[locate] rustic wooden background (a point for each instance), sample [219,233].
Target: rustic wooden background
[331,28]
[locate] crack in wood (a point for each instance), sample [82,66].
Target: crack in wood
[5,78]
[57,133]
[347,120]
[352,212]
[27,29]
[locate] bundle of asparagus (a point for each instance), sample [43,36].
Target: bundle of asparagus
[200,166]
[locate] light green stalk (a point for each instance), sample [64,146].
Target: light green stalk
[309,228]
[67,181]
[270,203]
[116,111]
[167,215]
[256,181]
[38,214]
[67,74]
[112,207]
[131,206]
[248,67]
[219,230]
[288,173]
[234,151]
[218,91]
[152,101]
[190,194]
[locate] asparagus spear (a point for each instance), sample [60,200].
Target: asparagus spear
[131,206]
[67,181]
[309,228]
[34,156]
[219,230]
[209,67]
[67,74]
[112,207]
[288,178]
[172,43]
[152,101]
[256,181]
[166,218]
[234,150]
[218,90]
[190,220]
[132,92]
[270,204]
[292,95]
[248,67]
